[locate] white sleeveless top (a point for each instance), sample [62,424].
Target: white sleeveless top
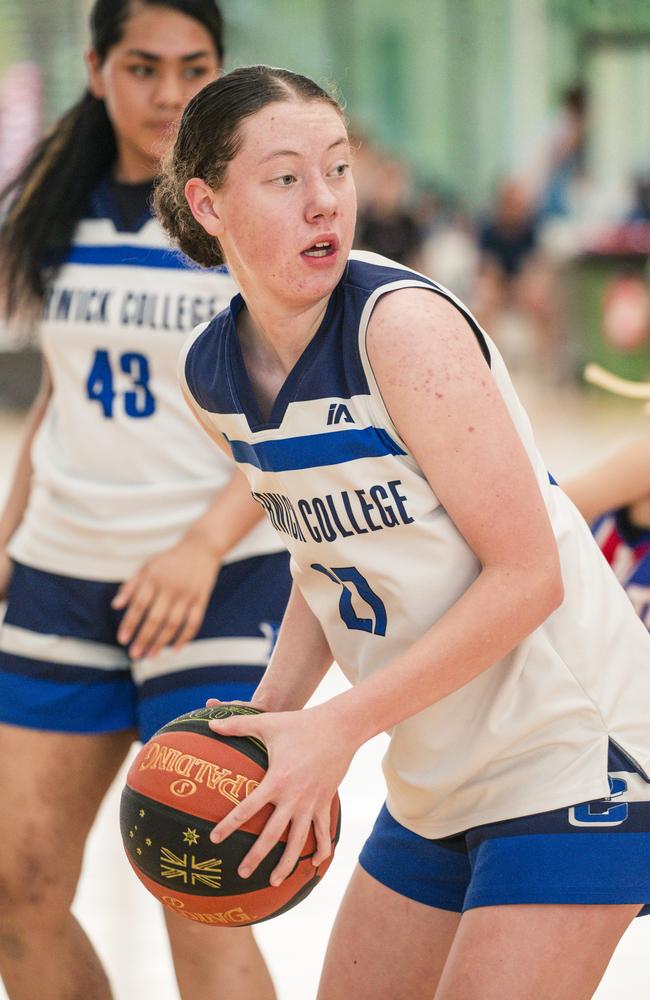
[379,560]
[121,467]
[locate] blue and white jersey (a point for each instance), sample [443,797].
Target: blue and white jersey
[379,560]
[120,466]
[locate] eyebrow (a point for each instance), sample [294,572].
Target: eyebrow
[343,141]
[152,57]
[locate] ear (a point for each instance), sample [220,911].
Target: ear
[95,81]
[204,205]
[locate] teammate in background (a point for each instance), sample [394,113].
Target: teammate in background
[433,557]
[614,498]
[513,273]
[139,580]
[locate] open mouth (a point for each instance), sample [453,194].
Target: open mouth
[321,249]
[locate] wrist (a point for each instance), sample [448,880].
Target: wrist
[269,699]
[348,719]
[206,540]
[6,534]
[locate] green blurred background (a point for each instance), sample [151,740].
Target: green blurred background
[451,101]
[460,87]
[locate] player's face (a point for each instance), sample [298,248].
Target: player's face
[287,207]
[147,78]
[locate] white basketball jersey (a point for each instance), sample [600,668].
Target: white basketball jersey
[379,560]
[121,467]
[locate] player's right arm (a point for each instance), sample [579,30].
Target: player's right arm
[619,481]
[18,496]
[299,662]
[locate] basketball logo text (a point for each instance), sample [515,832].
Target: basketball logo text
[195,771]
[230,917]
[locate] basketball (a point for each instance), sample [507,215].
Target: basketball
[182,782]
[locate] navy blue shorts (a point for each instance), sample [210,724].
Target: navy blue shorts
[594,852]
[61,667]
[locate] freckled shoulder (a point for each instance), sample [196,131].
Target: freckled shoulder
[419,339]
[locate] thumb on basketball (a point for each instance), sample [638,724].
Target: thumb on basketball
[237,725]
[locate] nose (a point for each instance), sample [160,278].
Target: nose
[321,201]
[170,92]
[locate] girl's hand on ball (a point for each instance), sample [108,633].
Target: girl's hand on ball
[307,762]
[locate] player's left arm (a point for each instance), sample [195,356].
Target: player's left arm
[443,400]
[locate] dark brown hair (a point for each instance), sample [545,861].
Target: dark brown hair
[209,138]
[48,197]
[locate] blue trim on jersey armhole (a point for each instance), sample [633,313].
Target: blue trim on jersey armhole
[315,450]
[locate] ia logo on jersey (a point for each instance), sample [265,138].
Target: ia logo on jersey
[339,412]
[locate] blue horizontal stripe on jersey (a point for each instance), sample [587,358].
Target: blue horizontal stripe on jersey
[314,450]
[132,256]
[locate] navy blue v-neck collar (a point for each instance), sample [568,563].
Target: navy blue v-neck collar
[240,383]
[104,205]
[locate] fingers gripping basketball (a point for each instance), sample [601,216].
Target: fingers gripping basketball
[183,782]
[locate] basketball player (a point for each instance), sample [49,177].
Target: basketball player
[435,560]
[139,579]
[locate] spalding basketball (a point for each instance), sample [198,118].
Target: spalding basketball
[182,782]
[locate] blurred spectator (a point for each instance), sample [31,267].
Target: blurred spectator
[450,254]
[640,210]
[386,222]
[558,165]
[513,273]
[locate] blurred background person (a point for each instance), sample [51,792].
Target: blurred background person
[513,274]
[138,579]
[386,223]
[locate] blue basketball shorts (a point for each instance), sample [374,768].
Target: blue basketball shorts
[62,669]
[594,852]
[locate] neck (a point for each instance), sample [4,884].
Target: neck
[132,169]
[279,334]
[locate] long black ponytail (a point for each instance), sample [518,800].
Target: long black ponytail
[50,194]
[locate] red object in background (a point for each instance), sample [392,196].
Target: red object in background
[21,116]
[626,312]
[628,238]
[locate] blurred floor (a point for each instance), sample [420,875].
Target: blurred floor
[573,429]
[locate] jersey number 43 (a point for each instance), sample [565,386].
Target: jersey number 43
[137,400]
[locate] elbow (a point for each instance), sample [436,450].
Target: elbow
[550,590]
